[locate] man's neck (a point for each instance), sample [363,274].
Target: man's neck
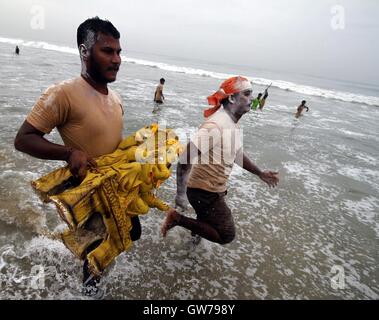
[233,116]
[100,87]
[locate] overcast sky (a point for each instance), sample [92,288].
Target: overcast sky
[301,36]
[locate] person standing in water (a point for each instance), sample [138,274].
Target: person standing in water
[263,100]
[301,108]
[17,50]
[87,114]
[259,102]
[256,101]
[158,95]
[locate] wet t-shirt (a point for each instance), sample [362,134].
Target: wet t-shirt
[86,119]
[219,140]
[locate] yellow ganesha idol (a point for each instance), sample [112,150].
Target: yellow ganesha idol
[99,209]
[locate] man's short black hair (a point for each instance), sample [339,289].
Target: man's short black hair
[94,26]
[162,80]
[303,102]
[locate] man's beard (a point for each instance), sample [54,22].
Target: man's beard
[96,73]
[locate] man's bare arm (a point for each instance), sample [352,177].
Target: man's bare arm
[31,141]
[244,162]
[270,177]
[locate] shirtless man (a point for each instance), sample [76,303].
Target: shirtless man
[158,95]
[301,108]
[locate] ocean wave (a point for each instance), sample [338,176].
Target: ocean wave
[280,84]
[284,85]
[40,45]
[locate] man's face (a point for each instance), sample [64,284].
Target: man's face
[104,60]
[243,101]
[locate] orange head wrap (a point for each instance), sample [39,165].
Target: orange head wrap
[228,87]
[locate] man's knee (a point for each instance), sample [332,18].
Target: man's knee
[227,230]
[136,231]
[227,237]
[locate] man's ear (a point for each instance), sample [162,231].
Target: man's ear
[231,99]
[84,52]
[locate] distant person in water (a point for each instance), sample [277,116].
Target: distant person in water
[263,100]
[259,101]
[301,108]
[158,95]
[255,103]
[17,50]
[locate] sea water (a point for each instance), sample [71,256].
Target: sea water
[315,236]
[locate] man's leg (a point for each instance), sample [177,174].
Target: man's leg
[90,282]
[214,220]
[203,229]
[156,106]
[136,231]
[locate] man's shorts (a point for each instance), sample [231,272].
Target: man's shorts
[210,207]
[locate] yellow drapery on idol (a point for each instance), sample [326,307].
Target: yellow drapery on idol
[99,209]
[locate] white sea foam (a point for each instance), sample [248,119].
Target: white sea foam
[367,159]
[360,174]
[311,178]
[284,85]
[352,133]
[366,211]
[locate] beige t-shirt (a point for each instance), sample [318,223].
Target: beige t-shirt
[219,141]
[86,119]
